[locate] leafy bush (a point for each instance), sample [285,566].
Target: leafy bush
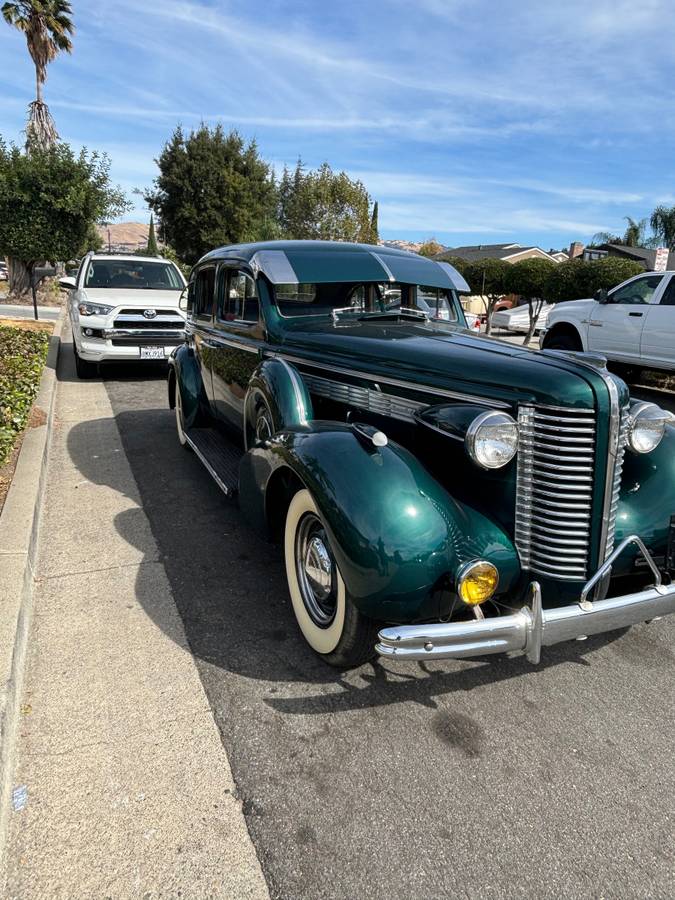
[578,278]
[22,357]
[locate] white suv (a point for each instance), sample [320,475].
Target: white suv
[633,323]
[123,309]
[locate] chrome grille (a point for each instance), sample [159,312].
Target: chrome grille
[616,489]
[364,398]
[554,491]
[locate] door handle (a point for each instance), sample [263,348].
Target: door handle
[595,324]
[636,314]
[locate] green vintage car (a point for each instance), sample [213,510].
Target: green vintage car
[437,493]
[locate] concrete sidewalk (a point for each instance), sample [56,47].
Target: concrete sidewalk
[122,787]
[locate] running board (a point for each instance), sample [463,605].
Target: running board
[220,456]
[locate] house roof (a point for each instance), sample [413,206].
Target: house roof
[492,251]
[639,254]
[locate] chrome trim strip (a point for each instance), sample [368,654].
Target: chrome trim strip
[218,340]
[393,382]
[613,450]
[149,333]
[378,258]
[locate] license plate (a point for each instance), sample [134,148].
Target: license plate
[152,352]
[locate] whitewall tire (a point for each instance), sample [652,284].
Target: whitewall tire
[328,620]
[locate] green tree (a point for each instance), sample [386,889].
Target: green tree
[662,221]
[578,278]
[374,225]
[212,189]
[430,248]
[529,279]
[47,25]
[324,205]
[152,249]
[488,279]
[635,234]
[49,201]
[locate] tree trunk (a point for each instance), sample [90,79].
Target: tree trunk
[19,275]
[534,310]
[38,86]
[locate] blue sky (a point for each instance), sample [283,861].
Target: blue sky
[469,120]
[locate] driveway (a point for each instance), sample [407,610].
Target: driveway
[449,779]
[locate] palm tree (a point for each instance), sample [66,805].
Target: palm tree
[663,225]
[635,232]
[47,25]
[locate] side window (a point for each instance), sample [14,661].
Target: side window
[203,292]
[241,301]
[668,297]
[639,291]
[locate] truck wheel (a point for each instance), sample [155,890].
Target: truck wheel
[330,623]
[83,367]
[562,341]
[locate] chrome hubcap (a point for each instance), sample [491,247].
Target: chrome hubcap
[316,571]
[263,426]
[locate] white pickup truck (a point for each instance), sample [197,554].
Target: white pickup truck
[634,323]
[123,309]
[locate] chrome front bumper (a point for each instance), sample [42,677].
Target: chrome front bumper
[533,627]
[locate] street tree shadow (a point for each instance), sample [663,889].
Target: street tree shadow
[230,586]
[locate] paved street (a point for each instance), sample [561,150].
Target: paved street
[468,778]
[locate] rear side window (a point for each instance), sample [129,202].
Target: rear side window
[668,298]
[203,292]
[240,301]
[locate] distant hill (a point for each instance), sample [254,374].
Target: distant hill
[413,246]
[124,235]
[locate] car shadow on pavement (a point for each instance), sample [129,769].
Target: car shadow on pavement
[230,586]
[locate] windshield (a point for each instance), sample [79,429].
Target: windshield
[347,298]
[132,275]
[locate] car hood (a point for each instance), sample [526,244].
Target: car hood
[131,297]
[450,358]
[576,306]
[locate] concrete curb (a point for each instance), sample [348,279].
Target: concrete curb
[19,530]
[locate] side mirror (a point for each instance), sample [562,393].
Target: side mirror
[601,295]
[67,283]
[184,301]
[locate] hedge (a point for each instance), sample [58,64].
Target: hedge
[22,358]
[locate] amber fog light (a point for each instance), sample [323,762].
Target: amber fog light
[477,581]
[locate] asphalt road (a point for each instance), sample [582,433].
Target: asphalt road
[451,779]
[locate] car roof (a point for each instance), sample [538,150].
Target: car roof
[130,257]
[308,262]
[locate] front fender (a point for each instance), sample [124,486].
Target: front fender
[647,499]
[397,535]
[188,380]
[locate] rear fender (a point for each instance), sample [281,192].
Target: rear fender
[397,535]
[280,387]
[187,378]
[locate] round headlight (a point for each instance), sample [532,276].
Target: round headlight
[477,581]
[492,439]
[646,428]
